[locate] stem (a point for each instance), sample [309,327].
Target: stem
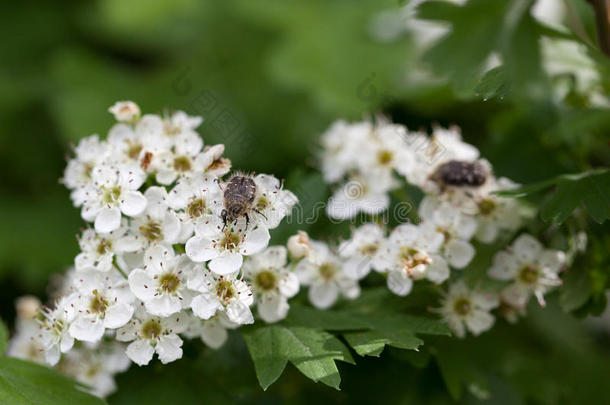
[602,22]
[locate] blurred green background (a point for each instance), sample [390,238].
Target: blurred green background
[269,77]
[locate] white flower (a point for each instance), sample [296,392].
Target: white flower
[272,282]
[220,165]
[98,250]
[198,199]
[467,309]
[89,153]
[360,251]
[341,143]
[54,329]
[212,332]
[161,285]
[410,253]
[149,335]
[158,224]
[386,150]
[496,214]
[114,191]
[298,245]
[103,301]
[26,343]
[323,272]
[362,193]
[96,366]
[225,248]
[139,145]
[456,227]
[531,268]
[271,202]
[221,294]
[125,111]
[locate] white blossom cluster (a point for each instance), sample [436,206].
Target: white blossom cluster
[369,160]
[175,249]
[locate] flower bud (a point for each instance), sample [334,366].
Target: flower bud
[125,111]
[298,245]
[27,307]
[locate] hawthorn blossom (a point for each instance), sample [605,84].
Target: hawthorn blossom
[532,270]
[456,227]
[464,309]
[224,247]
[162,284]
[150,334]
[271,202]
[98,249]
[103,301]
[158,224]
[221,294]
[360,251]
[54,333]
[96,366]
[212,331]
[114,191]
[361,193]
[412,253]
[272,282]
[322,271]
[89,153]
[496,214]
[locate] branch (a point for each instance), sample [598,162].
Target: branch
[602,21]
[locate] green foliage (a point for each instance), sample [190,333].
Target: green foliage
[3,338]
[303,339]
[25,383]
[589,190]
[311,351]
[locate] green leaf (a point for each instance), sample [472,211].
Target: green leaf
[576,289]
[264,347]
[480,28]
[3,338]
[301,315]
[494,84]
[372,343]
[25,383]
[313,352]
[589,190]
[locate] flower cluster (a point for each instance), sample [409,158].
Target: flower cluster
[176,248]
[460,205]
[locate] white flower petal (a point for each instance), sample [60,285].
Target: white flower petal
[141,284]
[132,203]
[169,348]
[213,335]
[239,312]
[163,305]
[399,283]
[87,329]
[289,285]
[205,306]
[323,295]
[357,267]
[108,219]
[200,249]
[459,253]
[479,321]
[226,263]
[117,315]
[273,309]
[140,352]
[255,241]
